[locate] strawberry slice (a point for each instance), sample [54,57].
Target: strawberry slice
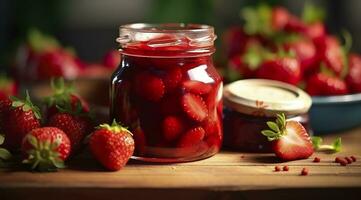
[172,78]
[196,87]
[149,87]
[194,107]
[172,127]
[290,140]
[192,137]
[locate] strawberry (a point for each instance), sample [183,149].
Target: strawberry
[149,87]
[305,52]
[196,87]
[173,126]
[290,140]
[194,106]
[22,117]
[315,30]
[45,149]
[353,78]
[280,18]
[192,137]
[112,146]
[111,59]
[321,84]
[284,69]
[63,95]
[8,87]
[57,63]
[330,53]
[233,41]
[172,78]
[294,24]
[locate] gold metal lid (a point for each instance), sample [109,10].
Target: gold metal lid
[261,97]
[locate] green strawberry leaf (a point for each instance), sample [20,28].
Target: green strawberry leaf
[345,51]
[332,148]
[257,20]
[5,154]
[312,13]
[277,128]
[2,139]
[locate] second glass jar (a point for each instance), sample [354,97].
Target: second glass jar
[167,91]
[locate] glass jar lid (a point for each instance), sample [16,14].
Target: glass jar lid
[260,97]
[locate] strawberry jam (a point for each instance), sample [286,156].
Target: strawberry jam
[167,91]
[250,104]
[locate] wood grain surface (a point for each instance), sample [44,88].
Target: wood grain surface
[228,175]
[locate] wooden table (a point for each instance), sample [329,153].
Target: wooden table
[228,175]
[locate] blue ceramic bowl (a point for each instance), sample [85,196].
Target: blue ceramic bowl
[335,113]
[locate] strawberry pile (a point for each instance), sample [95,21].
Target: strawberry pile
[275,44]
[46,140]
[42,57]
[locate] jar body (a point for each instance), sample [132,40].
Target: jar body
[243,132]
[172,105]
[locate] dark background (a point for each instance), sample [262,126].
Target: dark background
[91,26]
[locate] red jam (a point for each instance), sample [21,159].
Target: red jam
[250,104]
[167,92]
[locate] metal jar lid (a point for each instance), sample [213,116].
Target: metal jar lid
[261,97]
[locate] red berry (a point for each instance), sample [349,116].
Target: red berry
[46,148]
[353,158]
[304,172]
[75,127]
[343,162]
[286,168]
[111,59]
[149,87]
[338,160]
[353,78]
[192,137]
[282,69]
[172,127]
[112,146]
[305,51]
[196,87]
[349,160]
[323,85]
[172,78]
[316,159]
[280,17]
[330,53]
[194,107]
[277,168]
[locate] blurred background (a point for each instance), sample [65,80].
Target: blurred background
[91,26]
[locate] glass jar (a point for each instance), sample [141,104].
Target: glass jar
[167,91]
[250,103]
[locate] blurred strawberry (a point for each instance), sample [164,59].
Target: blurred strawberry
[330,53]
[8,87]
[111,59]
[353,78]
[321,84]
[95,71]
[284,69]
[58,63]
[305,52]
[234,41]
[280,18]
[315,30]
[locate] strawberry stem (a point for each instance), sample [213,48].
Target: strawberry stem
[277,129]
[26,105]
[332,148]
[115,127]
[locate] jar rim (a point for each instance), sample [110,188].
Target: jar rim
[167,28]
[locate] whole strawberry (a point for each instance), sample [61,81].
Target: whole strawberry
[8,87]
[284,69]
[321,84]
[112,145]
[75,124]
[45,149]
[23,116]
[290,140]
[353,78]
[63,95]
[330,53]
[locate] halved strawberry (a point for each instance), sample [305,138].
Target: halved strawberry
[192,137]
[290,140]
[196,87]
[172,78]
[172,126]
[194,106]
[149,86]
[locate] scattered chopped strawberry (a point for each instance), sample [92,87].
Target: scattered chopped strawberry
[304,172]
[343,162]
[316,159]
[197,87]
[194,107]
[286,168]
[192,137]
[353,158]
[149,87]
[348,159]
[172,127]
[321,84]
[277,168]
[290,140]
